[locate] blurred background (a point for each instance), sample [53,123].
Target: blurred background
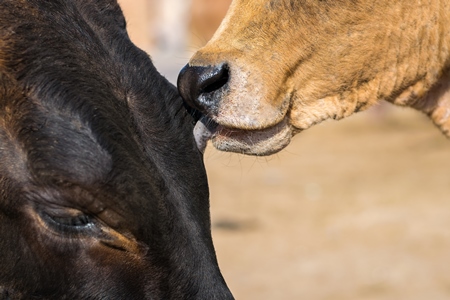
[357,209]
[172,30]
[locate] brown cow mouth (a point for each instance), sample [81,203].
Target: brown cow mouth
[260,142]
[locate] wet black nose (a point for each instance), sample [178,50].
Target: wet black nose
[198,86]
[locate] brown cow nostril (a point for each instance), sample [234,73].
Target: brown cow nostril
[218,80]
[197,85]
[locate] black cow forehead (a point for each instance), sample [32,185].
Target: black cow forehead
[68,82]
[44,37]
[76,81]
[50,147]
[67,150]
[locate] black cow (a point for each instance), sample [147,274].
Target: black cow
[103,191]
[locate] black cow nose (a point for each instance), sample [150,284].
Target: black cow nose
[198,84]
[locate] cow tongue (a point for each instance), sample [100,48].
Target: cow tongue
[203,131]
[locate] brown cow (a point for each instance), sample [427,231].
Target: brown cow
[275,68]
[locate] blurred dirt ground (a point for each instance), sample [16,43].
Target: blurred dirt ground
[354,209]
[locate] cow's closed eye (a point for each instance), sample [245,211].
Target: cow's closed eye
[69,223]
[72,225]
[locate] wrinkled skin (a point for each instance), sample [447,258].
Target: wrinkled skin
[103,191]
[275,68]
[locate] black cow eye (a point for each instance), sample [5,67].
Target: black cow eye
[78,221]
[71,223]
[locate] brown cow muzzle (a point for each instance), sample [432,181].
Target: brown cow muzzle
[234,112]
[202,87]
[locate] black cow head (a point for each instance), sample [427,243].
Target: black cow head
[103,191]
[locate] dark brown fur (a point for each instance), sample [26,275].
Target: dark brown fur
[103,192]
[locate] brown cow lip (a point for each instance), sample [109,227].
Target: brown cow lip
[259,142]
[230,132]
[262,141]
[216,129]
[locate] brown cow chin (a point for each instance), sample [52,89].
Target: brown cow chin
[260,142]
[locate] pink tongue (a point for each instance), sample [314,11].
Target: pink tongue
[203,131]
[201,134]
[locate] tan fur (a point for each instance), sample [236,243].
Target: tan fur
[301,62]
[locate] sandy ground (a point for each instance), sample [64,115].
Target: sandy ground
[355,209]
